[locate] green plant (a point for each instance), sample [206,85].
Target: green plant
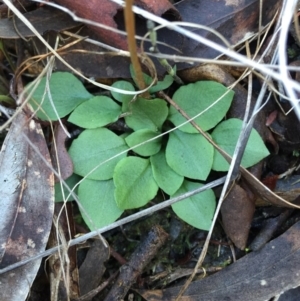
[116,179]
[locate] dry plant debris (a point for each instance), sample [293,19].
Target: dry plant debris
[27,185]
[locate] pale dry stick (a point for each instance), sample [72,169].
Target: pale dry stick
[270,43]
[259,21]
[6,111]
[192,60]
[94,42]
[187,24]
[47,90]
[213,31]
[283,60]
[242,142]
[289,7]
[63,252]
[274,59]
[64,261]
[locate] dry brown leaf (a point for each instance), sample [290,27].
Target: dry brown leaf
[27,202]
[235,20]
[237,213]
[106,12]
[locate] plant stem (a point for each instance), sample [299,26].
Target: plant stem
[130,29]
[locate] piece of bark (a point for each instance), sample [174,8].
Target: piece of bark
[138,261]
[257,276]
[270,227]
[27,202]
[93,265]
[62,162]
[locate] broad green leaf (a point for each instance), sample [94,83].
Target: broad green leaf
[162,85]
[226,135]
[140,136]
[125,99]
[159,86]
[190,155]
[95,112]
[93,147]
[135,185]
[146,114]
[166,178]
[67,93]
[71,182]
[124,85]
[197,210]
[99,207]
[195,98]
